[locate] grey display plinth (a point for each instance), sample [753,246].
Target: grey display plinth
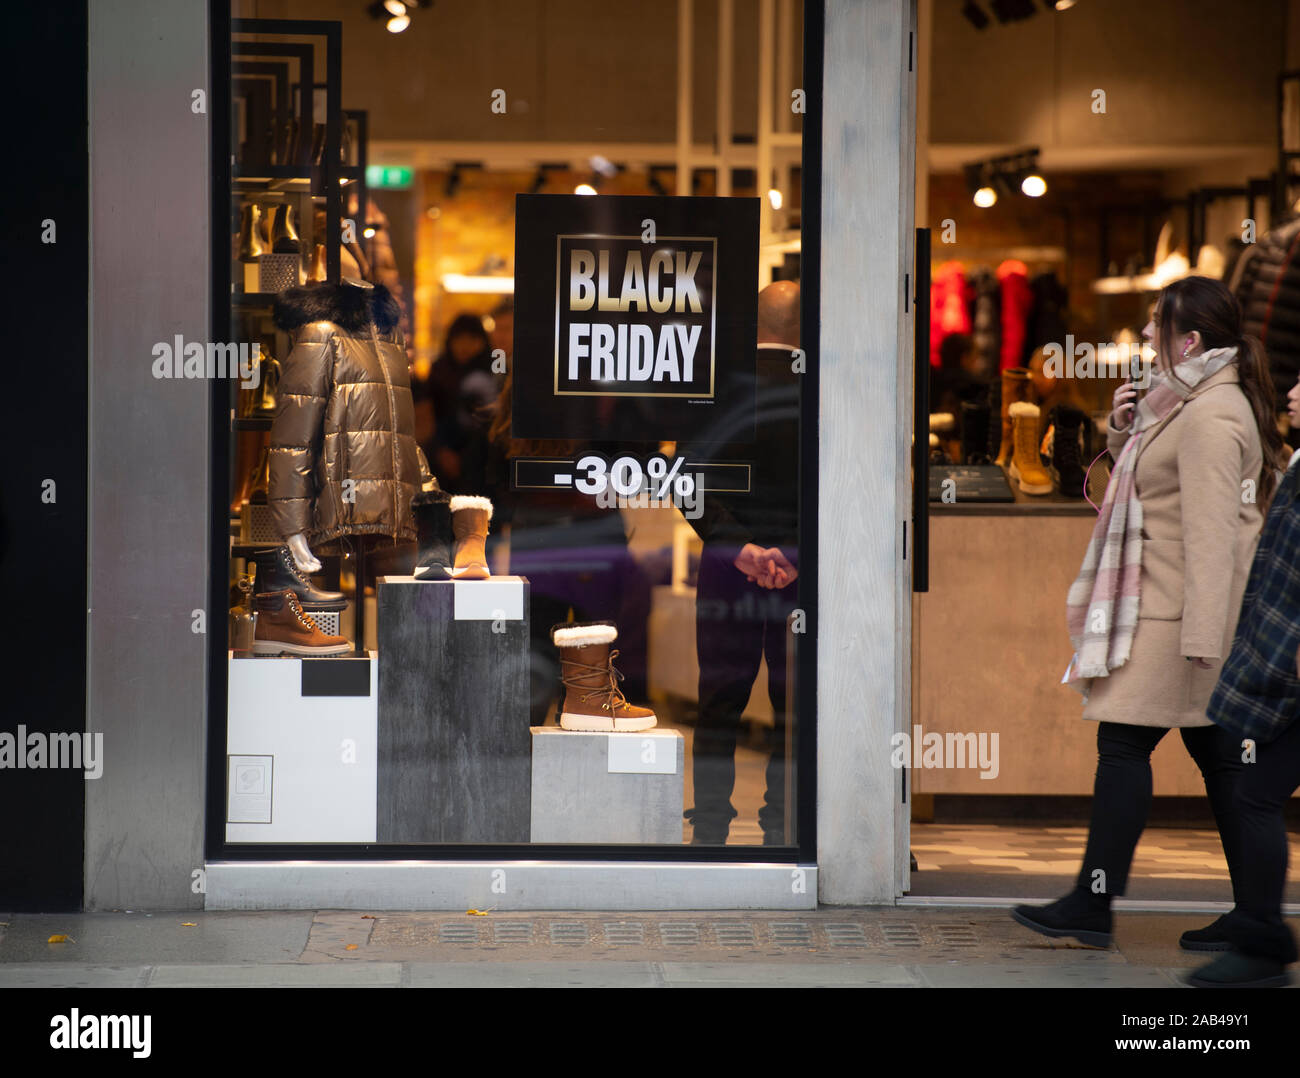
[607,788]
[453,710]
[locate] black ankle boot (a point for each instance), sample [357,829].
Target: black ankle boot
[975,433]
[1209,938]
[1237,970]
[1080,915]
[1067,444]
[432,511]
[276,571]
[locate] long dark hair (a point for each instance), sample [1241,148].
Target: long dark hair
[1206,305]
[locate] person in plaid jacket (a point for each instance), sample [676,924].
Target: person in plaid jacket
[1258,697]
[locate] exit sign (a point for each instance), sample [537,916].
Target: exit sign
[388,176]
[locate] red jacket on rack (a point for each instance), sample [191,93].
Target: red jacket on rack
[950,299]
[1017,302]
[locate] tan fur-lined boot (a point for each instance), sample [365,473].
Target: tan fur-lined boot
[1026,467]
[469,523]
[592,700]
[1016,386]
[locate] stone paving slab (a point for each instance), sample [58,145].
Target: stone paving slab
[156,938]
[71,975]
[278,975]
[534,975]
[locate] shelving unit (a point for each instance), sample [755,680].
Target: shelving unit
[291,143]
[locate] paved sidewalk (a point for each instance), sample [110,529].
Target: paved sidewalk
[876,947]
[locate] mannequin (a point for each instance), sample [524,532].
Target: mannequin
[344,461]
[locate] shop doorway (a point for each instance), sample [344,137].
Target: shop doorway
[1056,228]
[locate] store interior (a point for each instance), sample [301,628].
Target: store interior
[439,116]
[1072,159]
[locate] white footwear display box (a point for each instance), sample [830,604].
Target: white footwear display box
[625,788]
[301,749]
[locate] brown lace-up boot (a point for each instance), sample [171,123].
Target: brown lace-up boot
[592,700]
[469,523]
[283,627]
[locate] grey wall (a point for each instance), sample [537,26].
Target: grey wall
[558,86]
[1174,71]
[149,447]
[864,628]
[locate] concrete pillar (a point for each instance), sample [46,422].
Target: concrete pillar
[149,451]
[864,624]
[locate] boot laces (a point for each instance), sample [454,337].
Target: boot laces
[303,617]
[287,559]
[614,696]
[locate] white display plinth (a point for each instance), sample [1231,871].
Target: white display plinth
[306,763]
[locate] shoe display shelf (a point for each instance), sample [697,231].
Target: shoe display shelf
[301,749]
[454,752]
[607,788]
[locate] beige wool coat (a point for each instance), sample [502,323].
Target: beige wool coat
[1196,474]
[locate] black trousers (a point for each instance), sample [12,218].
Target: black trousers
[737,624]
[1121,797]
[1263,789]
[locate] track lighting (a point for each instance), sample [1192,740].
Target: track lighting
[1003,175]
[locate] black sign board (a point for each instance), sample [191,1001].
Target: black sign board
[634,316]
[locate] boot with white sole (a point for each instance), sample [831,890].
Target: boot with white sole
[592,699]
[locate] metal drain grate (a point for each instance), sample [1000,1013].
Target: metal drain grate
[845,935]
[456,932]
[624,933]
[679,933]
[734,933]
[901,935]
[570,932]
[512,932]
[791,933]
[957,935]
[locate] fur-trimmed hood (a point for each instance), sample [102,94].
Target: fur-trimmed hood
[350,308]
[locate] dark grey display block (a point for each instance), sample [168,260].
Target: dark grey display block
[608,788]
[453,710]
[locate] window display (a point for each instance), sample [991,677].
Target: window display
[543,586]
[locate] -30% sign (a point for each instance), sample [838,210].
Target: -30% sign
[628,478]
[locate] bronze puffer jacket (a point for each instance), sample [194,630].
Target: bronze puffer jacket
[344,460]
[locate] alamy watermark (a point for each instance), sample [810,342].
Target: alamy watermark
[1105,360]
[37,751]
[935,751]
[195,359]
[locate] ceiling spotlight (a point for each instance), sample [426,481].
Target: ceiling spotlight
[985,197]
[975,15]
[1064,5]
[398,23]
[584,189]
[1034,185]
[774,197]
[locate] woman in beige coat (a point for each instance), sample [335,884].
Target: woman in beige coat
[1155,607]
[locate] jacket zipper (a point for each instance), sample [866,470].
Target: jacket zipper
[392,434]
[341,457]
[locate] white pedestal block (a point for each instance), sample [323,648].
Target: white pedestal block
[607,788]
[304,766]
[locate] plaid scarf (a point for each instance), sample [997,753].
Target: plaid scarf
[1102,605]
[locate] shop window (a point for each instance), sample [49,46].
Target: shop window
[514,486]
